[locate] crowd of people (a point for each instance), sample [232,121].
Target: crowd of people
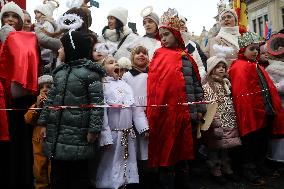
[119,110]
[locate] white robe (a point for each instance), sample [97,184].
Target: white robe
[139,87]
[114,170]
[275,71]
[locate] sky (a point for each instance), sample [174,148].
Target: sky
[199,13]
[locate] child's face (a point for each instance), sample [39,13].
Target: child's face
[220,69]
[61,54]
[251,52]
[27,23]
[150,26]
[111,67]
[263,56]
[45,88]
[167,38]
[141,60]
[38,15]
[111,22]
[12,19]
[97,56]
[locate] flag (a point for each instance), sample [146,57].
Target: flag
[94,3]
[240,6]
[265,28]
[269,32]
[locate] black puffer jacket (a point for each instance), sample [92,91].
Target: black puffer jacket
[75,83]
[194,91]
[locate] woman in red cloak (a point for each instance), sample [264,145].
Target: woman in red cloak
[173,80]
[258,108]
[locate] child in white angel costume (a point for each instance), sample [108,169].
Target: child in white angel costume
[118,163]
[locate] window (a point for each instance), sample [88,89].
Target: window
[265,18]
[283,17]
[254,25]
[260,26]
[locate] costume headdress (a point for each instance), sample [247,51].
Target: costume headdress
[171,19]
[248,38]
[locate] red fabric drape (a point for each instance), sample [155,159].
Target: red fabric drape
[21,3]
[20,59]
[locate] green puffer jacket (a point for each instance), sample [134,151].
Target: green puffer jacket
[75,83]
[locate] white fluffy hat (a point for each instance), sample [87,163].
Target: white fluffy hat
[47,8]
[45,79]
[120,13]
[213,61]
[124,62]
[12,7]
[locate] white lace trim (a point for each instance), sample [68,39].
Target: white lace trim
[118,92]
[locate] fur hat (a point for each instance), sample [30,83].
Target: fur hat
[221,52]
[247,39]
[47,8]
[12,7]
[120,13]
[77,45]
[45,79]
[147,12]
[213,61]
[232,11]
[124,62]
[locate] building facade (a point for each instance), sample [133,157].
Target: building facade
[262,11]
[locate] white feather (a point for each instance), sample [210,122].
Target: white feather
[222,51]
[74,3]
[77,22]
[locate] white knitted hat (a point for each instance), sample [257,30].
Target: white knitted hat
[212,63]
[147,12]
[120,13]
[12,7]
[45,79]
[47,8]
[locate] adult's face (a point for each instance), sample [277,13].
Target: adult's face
[111,22]
[228,20]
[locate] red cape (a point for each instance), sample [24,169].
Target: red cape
[4,128]
[170,127]
[19,60]
[250,110]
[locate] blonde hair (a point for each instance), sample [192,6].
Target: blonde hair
[104,60]
[137,50]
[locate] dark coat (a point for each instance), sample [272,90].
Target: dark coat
[75,83]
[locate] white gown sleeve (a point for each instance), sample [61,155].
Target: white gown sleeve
[105,136]
[140,120]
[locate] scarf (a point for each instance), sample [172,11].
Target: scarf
[230,34]
[111,35]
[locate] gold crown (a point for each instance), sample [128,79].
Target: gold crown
[171,19]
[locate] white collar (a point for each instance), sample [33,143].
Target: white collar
[230,34]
